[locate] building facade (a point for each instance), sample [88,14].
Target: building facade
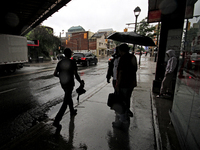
[101,45]
[79,40]
[177,35]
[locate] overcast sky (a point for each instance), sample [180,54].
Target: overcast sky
[93,15]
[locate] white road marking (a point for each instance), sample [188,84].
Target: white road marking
[7,90]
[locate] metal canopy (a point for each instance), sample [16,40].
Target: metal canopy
[18,17]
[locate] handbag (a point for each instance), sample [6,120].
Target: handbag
[116,103]
[111,99]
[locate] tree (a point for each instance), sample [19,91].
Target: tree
[144,28]
[48,42]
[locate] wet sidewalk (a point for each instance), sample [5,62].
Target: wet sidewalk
[92,129]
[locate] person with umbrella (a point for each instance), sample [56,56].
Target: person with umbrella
[126,76]
[66,69]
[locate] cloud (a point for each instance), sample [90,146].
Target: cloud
[96,14]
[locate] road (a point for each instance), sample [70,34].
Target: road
[32,94]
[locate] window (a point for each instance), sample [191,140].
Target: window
[78,54]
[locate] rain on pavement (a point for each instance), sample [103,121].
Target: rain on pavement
[33,95]
[28,94]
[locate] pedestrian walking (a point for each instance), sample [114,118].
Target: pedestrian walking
[112,67]
[66,69]
[126,77]
[166,86]
[150,52]
[146,53]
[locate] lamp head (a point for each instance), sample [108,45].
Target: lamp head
[137,11]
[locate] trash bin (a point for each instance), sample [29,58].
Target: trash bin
[41,59]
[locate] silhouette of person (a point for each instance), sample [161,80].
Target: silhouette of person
[66,70]
[166,85]
[126,77]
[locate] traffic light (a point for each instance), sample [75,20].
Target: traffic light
[85,35]
[125,30]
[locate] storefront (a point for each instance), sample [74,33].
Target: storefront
[180,31]
[185,113]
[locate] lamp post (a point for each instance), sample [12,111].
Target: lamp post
[61,40]
[136,11]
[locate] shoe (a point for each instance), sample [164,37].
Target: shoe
[130,114]
[59,128]
[74,113]
[160,96]
[168,96]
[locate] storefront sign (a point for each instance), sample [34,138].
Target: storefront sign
[174,40]
[154,16]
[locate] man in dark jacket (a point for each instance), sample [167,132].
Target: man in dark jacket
[126,77]
[66,70]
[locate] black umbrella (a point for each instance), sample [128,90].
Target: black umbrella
[80,90]
[132,37]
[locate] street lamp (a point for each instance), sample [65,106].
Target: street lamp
[61,40]
[136,11]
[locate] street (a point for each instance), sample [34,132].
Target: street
[28,94]
[31,98]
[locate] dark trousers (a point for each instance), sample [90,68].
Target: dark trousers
[67,101]
[166,85]
[125,93]
[114,83]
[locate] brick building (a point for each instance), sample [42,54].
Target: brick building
[79,40]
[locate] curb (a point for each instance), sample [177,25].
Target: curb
[155,123]
[40,64]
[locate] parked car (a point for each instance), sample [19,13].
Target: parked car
[193,61]
[85,58]
[60,56]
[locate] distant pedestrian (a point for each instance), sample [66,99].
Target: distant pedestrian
[156,53]
[150,52]
[126,76]
[146,53]
[66,70]
[166,86]
[30,59]
[112,67]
